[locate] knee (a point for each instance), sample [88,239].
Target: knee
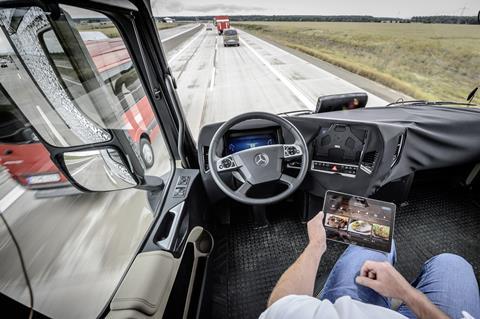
[450,261]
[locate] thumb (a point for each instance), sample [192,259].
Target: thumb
[367,282]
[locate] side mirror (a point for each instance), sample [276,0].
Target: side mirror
[339,102]
[108,168]
[94,137]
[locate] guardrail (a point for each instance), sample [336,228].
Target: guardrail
[174,41]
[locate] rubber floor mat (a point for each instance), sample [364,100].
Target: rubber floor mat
[247,262]
[437,221]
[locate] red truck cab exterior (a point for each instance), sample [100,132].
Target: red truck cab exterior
[222,23]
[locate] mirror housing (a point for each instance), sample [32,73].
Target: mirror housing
[340,102]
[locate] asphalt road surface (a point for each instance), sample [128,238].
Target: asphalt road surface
[217,82]
[76,248]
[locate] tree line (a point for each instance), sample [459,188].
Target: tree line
[340,18]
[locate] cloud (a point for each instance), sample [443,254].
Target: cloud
[176,7]
[206,8]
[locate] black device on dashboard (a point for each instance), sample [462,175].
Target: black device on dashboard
[341,102]
[357,220]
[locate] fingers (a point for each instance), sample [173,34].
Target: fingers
[367,282]
[317,220]
[368,267]
[319,216]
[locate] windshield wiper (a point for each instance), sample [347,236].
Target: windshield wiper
[296,112]
[425,102]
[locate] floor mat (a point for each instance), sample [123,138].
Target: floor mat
[436,221]
[247,262]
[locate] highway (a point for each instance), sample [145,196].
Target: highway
[217,82]
[77,247]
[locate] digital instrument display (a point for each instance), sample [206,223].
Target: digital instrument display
[361,221]
[236,143]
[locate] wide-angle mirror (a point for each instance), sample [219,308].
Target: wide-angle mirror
[340,102]
[99,170]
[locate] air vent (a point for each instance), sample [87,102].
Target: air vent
[398,150]
[368,161]
[205,159]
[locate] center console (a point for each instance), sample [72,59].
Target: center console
[338,149]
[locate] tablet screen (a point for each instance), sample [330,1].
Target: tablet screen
[359,221]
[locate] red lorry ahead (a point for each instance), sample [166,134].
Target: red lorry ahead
[28,161]
[222,23]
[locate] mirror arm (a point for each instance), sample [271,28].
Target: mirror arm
[152,183]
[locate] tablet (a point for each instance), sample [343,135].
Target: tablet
[357,220]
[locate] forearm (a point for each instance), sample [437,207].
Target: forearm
[421,306]
[299,279]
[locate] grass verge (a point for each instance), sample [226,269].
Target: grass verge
[434,62]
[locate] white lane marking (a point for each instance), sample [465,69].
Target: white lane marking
[72,81]
[184,48]
[179,34]
[52,128]
[315,66]
[83,167]
[212,80]
[308,104]
[11,197]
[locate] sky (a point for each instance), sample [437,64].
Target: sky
[381,8]
[378,8]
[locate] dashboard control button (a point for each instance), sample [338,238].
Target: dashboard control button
[226,163]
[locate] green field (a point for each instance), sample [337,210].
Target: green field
[426,61]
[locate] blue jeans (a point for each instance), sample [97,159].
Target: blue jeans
[447,280]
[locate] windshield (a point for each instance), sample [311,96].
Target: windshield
[71,81]
[230,32]
[291,54]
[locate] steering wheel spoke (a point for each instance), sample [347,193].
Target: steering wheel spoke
[288,180]
[243,189]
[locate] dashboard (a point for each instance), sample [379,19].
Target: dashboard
[359,151]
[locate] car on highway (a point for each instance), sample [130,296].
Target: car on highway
[230,38]
[208,27]
[195,209]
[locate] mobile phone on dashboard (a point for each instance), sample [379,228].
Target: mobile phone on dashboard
[357,220]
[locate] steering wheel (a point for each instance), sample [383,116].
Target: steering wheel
[258,165]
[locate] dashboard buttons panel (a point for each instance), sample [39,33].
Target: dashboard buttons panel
[291,150]
[346,170]
[226,163]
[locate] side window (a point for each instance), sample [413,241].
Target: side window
[71,77]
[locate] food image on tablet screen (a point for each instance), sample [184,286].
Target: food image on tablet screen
[381,231]
[336,221]
[356,220]
[360,226]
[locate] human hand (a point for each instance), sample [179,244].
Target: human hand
[384,279]
[316,232]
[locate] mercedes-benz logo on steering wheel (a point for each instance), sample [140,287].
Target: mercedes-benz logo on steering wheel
[261,159]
